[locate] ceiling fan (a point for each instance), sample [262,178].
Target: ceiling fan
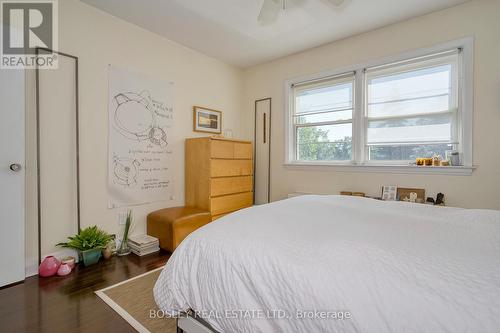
[271,8]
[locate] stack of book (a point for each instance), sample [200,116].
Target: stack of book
[143,244]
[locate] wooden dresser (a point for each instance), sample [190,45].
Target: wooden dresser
[219,175]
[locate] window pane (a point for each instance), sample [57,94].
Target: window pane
[323,117]
[333,97]
[431,104]
[407,130]
[407,153]
[324,143]
[420,91]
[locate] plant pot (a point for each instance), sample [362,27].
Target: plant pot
[64,269]
[91,257]
[124,250]
[49,266]
[69,260]
[106,253]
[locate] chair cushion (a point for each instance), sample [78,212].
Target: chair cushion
[172,225]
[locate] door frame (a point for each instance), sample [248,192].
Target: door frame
[255,148]
[77,145]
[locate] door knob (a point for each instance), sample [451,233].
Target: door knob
[15,167]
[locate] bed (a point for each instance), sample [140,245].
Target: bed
[340,264]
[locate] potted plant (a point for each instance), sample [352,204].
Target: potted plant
[124,248]
[89,243]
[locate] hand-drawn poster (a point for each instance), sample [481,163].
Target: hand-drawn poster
[140,132]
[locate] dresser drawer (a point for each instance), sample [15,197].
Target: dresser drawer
[230,203]
[243,150]
[228,168]
[230,185]
[221,149]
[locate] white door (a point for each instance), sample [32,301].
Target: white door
[12,99]
[262,151]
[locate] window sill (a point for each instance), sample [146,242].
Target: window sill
[401,169]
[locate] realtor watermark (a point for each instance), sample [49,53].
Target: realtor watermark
[257,314]
[26,26]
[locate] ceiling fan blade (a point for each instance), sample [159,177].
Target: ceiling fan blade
[295,3]
[336,2]
[269,11]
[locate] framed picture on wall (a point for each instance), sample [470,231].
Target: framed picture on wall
[207,120]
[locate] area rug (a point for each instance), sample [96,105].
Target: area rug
[133,300]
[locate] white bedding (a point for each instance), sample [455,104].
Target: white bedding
[394,266]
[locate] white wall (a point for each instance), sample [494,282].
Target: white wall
[479,19]
[99,39]
[58,165]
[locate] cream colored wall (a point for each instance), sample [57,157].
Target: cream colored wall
[479,19]
[99,39]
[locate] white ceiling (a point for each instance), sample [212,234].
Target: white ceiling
[228,29]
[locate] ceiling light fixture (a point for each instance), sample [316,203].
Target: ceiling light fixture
[271,8]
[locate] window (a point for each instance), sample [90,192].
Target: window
[322,119]
[411,109]
[384,114]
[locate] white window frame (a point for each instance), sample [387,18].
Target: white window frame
[415,64]
[360,162]
[337,79]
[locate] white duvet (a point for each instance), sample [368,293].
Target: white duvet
[391,266]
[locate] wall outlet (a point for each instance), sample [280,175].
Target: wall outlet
[122,218]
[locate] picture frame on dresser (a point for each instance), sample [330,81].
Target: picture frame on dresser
[207,120]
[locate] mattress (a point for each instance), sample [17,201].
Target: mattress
[340,264]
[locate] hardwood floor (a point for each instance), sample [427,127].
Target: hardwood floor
[68,304]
